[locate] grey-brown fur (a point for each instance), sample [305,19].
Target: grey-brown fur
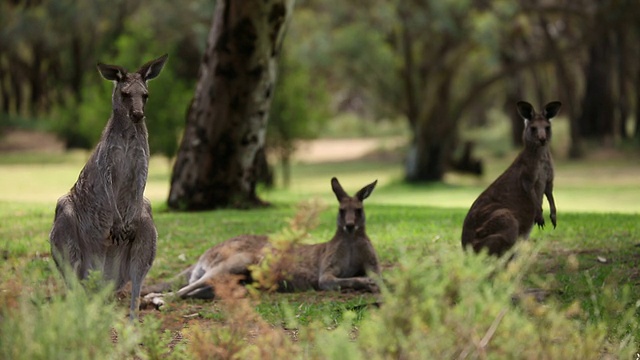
[342,263]
[510,206]
[104,223]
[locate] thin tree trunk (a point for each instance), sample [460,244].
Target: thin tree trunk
[4,88]
[514,89]
[596,120]
[622,71]
[227,119]
[567,89]
[412,108]
[77,68]
[286,169]
[637,124]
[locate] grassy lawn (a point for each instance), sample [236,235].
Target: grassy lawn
[437,300]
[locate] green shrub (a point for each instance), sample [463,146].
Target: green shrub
[76,325]
[445,306]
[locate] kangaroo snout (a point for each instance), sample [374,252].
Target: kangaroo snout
[137,115]
[350,227]
[543,140]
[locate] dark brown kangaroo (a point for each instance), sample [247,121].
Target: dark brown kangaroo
[510,206]
[104,223]
[342,263]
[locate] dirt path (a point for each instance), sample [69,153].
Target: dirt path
[22,140]
[309,151]
[330,150]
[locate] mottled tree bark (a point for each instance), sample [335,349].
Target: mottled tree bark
[227,120]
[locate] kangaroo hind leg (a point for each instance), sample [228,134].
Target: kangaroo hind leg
[498,234]
[201,287]
[141,255]
[65,240]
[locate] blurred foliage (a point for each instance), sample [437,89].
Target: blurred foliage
[438,65]
[52,47]
[299,110]
[473,308]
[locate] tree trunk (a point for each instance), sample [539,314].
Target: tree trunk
[285,160]
[427,158]
[636,131]
[566,89]
[514,89]
[596,120]
[434,139]
[623,71]
[227,119]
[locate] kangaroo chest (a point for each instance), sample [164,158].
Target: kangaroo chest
[544,174]
[349,257]
[129,169]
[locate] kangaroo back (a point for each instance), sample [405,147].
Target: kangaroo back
[511,205]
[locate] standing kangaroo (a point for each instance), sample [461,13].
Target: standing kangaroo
[342,263]
[104,223]
[510,206]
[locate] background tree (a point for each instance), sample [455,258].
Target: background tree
[442,67]
[227,119]
[48,53]
[298,111]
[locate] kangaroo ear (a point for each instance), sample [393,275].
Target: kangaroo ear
[525,110]
[112,72]
[552,109]
[366,191]
[152,69]
[337,189]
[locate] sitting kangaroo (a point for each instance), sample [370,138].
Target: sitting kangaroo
[104,223]
[510,206]
[342,263]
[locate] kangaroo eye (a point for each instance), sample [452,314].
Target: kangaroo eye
[533,130]
[342,212]
[359,212]
[547,129]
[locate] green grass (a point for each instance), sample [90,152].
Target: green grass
[436,301]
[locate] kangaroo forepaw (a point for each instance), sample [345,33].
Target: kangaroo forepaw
[540,221]
[553,220]
[120,234]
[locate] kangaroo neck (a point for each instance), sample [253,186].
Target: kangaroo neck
[534,151]
[120,122]
[358,233]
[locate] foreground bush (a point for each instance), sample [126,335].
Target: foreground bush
[448,306]
[435,305]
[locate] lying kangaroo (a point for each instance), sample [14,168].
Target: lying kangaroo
[510,206]
[104,223]
[342,263]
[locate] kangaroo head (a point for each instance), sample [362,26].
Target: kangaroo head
[130,92]
[351,211]
[537,126]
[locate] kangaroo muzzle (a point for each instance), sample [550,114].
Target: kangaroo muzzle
[137,115]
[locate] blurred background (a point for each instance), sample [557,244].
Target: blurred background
[427,85]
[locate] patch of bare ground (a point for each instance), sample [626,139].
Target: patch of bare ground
[15,140]
[308,151]
[334,150]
